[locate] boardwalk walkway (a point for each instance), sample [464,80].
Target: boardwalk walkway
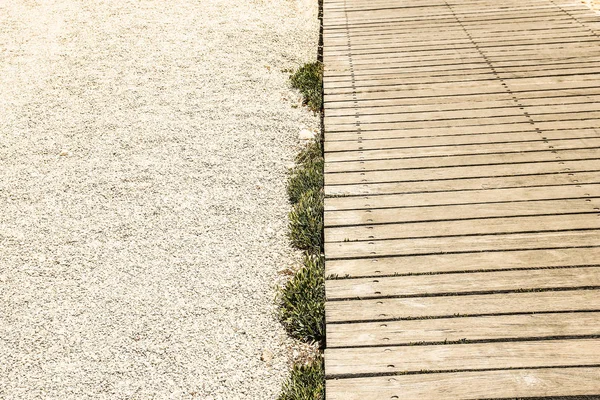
[462,220]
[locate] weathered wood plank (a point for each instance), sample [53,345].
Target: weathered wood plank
[462,211]
[474,282]
[490,171]
[467,149]
[462,184]
[475,160]
[475,356]
[463,329]
[436,263]
[509,384]
[469,227]
[465,197]
[449,306]
[462,244]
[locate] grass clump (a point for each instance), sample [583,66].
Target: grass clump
[302,301]
[308,173]
[308,79]
[304,178]
[306,221]
[307,382]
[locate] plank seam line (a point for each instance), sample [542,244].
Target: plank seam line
[392,43]
[400,373]
[406,124]
[432,22]
[449,50]
[460,135]
[560,161]
[452,204]
[468,109]
[452,145]
[334,277]
[470,341]
[466,134]
[367,34]
[481,218]
[393,87]
[369,257]
[554,150]
[467,94]
[431,73]
[341,196]
[567,171]
[513,232]
[467,293]
[455,316]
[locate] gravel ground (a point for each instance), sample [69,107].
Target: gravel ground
[143,155]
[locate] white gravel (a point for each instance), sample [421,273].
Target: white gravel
[143,155]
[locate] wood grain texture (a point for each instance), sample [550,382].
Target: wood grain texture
[474,282]
[471,356]
[508,384]
[462,173]
[480,328]
[448,306]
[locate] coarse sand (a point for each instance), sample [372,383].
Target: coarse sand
[144,147]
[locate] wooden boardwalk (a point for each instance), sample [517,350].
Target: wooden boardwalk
[462,218]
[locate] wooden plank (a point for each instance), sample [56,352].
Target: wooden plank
[526,97]
[435,90]
[425,174]
[508,384]
[465,197]
[474,160]
[419,142]
[458,38]
[474,356]
[467,149]
[462,244]
[462,184]
[442,263]
[356,144]
[469,56]
[453,283]
[498,49]
[490,104]
[496,113]
[463,329]
[464,85]
[462,211]
[538,223]
[452,36]
[451,306]
[534,121]
[513,110]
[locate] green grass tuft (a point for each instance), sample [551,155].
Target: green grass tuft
[313,151]
[302,309]
[309,80]
[308,174]
[306,221]
[304,178]
[307,382]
